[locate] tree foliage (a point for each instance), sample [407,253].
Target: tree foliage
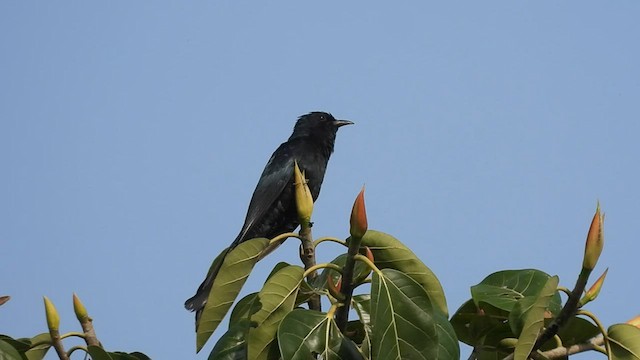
[383,303]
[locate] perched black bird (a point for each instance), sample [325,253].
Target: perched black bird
[272,210]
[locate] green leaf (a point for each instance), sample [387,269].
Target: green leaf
[139,356]
[404,321]
[279,266]
[576,331]
[98,353]
[448,347]
[232,345]
[389,252]
[277,298]
[471,324]
[38,352]
[244,308]
[503,289]
[235,269]
[304,333]
[21,345]
[533,313]
[8,352]
[625,342]
[119,355]
[362,305]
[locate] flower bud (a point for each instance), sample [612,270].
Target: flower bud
[304,200]
[595,241]
[53,319]
[369,254]
[4,299]
[79,309]
[594,290]
[358,219]
[334,289]
[635,321]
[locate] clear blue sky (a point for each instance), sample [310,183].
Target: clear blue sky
[133,133]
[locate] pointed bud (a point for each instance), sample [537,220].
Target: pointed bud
[79,309]
[53,319]
[369,254]
[594,290]
[4,299]
[635,321]
[304,200]
[358,217]
[595,241]
[334,289]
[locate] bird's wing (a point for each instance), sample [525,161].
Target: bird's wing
[277,173]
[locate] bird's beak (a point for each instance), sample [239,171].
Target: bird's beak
[339,123]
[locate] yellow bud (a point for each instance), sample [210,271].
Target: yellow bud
[594,290]
[595,241]
[304,200]
[79,309]
[358,219]
[53,319]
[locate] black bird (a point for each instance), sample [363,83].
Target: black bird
[272,210]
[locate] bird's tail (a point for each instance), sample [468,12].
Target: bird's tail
[197,302]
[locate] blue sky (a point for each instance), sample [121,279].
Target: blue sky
[132,135]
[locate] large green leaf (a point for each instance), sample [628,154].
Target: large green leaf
[533,313]
[38,352]
[235,269]
[304,333]
[625,342]
[232,345]
[362,305]
[21,345]
[389,252]
[8,352]
[119,355]
[244,308]
[448,347]
[576,331]
[503,289]
[277,299]
[405,324]
[472,324]
[98,353]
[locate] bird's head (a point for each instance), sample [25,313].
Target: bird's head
[318,125]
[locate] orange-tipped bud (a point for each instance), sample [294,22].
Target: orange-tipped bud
[334,289]
[358,219]
[53,319]
[595,241]
[594,290]
[635,321]
[304,200]
[369,254]
[79,309]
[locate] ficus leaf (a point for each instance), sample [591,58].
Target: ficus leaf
[235,269]
[303,333]
[625,342]
[277,299]
[389,252]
